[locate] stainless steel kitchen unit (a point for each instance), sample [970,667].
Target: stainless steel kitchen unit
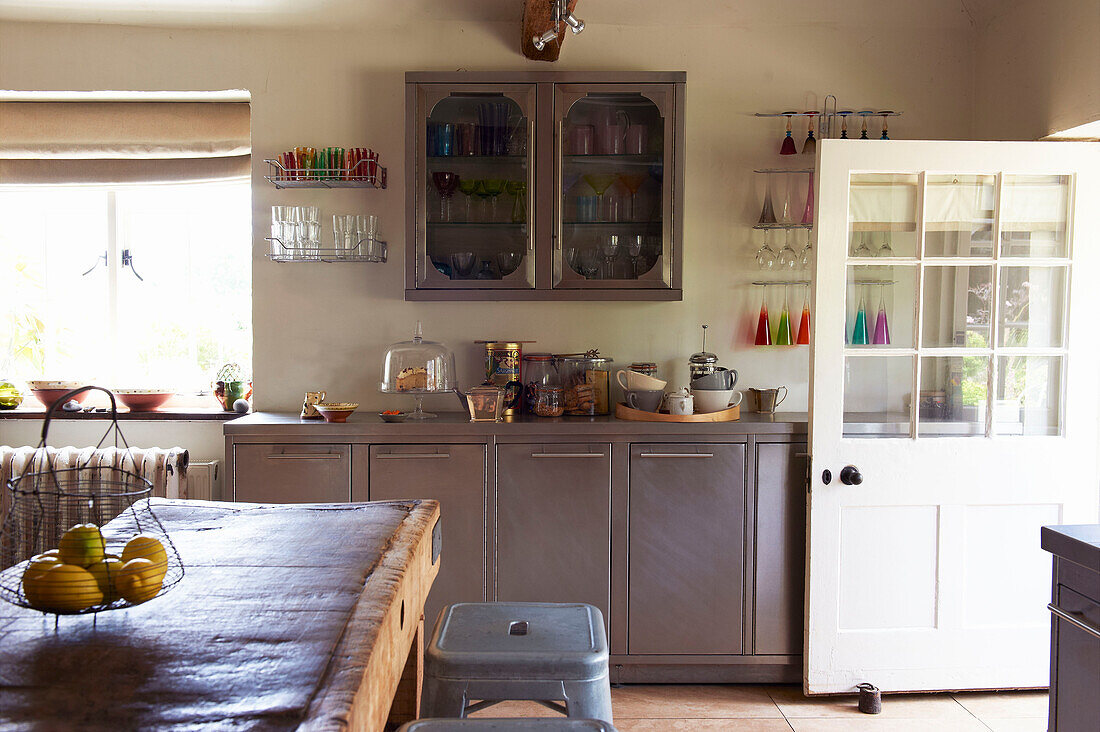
[689,537]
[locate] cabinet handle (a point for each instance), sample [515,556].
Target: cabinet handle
[306,456]
[1074,620]
[676,454]
[567,455]
[413,455]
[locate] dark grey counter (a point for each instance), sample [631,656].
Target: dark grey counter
[452,424]
[1078,543]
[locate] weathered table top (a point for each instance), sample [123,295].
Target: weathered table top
[279,621]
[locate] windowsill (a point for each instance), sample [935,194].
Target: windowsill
[161,415]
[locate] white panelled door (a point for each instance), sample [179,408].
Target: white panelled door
[955,402]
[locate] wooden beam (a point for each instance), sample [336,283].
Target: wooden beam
[538,17]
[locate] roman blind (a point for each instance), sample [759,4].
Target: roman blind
[123,141]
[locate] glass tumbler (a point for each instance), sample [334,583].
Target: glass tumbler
[366,233]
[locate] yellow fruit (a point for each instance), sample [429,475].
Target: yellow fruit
[106,573]
[81,545]
[66,587]
[148,547]
[32,576]
[51,553]
[139,580]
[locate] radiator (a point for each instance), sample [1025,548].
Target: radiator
[202,481]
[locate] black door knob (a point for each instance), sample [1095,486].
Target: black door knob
[850,475]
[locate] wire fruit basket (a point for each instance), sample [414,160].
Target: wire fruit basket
[84,539]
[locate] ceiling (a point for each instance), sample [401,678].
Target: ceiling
[389,13]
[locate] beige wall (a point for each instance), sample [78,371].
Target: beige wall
[325,326]
[1037,69]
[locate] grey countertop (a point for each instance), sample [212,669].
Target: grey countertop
[1079,543]
[458,424]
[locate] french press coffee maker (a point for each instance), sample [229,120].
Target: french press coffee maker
[703,362]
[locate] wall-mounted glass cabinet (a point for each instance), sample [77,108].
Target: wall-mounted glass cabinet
[544,186]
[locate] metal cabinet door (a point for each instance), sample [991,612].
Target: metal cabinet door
[292,473]
[454,475]
[687,513]
[554,524]
[780,548]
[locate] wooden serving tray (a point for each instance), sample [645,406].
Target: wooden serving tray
[637,415]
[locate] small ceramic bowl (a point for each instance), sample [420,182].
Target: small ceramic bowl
[49,392]
[399,417]
[337,411]
[143,400]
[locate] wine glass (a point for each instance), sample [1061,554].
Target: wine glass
[810,146]
[467,186]
[804,323]
[886,250]
[493,188]
[806,258]
[446,182]
[783,337]
[518,190]
[508,262]
[785,215]
[634,250]
[462,263]
[767,214]
[863,250]
[882,328]
[788,147]
[859,333]
[787,257]
[763,329]
[600,182]
[633,183]
[609,247]
[765,255]
[483,198]
[588,263]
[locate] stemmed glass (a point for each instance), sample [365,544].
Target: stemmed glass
[863,250]
[517,189]
[785,216]
[804,322]
[493,188]
[508,262]
[882,328]
[609,247]
[767,214]
[600,182]
[763,329]
[787,257]
[446,182]
[788,148]
[482,194]
[633,183]
[467,187]
[806,258]
[886,250]
[462,263]
[783,337]
[634,249]
[808,213]
[810,146]
[885,114]
[588,263]
[859,333]
[765,255]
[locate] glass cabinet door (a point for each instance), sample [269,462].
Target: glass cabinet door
[614,201]
[474,186]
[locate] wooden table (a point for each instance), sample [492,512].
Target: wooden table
[288,616]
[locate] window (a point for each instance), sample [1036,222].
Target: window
[126,286]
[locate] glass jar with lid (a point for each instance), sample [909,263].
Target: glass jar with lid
[539,369]
[549,401]
[586,383]
[416,368]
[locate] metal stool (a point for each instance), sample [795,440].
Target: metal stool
[553,654]
[507,725]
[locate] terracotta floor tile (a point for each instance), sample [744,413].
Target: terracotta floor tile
[1019,724]
[986,705]
[879,723]
[679,701]
[795,705]
[702,725]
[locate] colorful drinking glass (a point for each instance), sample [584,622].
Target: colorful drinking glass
[804,322]
[767,214]
[810,146]
[788,147]
[763,330]
[446,182]
[859,333]
[783,335]
[633,183]
[882,328]
[493,188]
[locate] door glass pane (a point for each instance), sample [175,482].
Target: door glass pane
[613,191]
[1029,390]
[877,395]
[477,195]
[953,396]
[958,214]
[1032,306]
[883,215]
[957,305]
[1034,213]
[880,306]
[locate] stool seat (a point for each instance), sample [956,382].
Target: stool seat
[553,654]
[497,640]
[564,724]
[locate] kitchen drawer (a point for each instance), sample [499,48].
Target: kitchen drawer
[454,475]
[554,523]
[292,473]
[1075,671]
[687,515]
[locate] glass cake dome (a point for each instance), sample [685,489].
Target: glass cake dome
[416,368]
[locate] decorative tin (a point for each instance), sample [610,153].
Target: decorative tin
[504,368]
